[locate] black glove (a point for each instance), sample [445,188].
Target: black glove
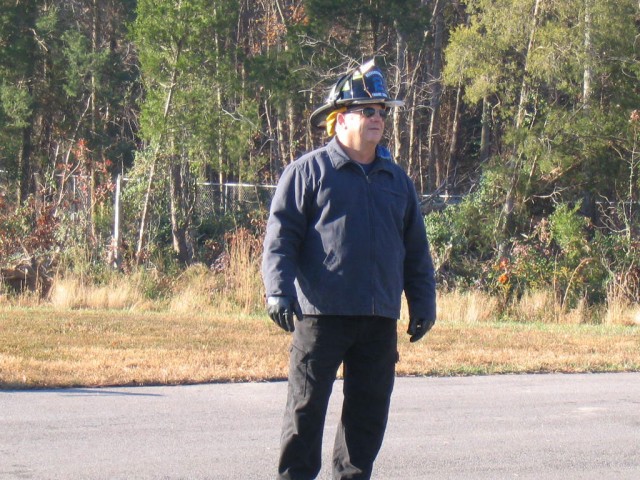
[418,327]
[282,309]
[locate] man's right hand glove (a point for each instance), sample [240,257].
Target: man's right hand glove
[281,309]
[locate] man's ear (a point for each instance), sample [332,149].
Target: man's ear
[341,119]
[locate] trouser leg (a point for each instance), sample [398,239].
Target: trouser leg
[316,354]
[369,373]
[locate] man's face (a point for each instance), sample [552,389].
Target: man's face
[361,130]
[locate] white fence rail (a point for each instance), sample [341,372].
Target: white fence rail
[229,197]
[215,198]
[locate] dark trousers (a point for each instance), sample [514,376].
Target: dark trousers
[367,346]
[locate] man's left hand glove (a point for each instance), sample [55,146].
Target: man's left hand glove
[418,327]
[281,309]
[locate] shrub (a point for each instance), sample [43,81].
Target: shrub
[462,239]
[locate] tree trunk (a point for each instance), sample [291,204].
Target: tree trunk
[273,167]
[156,152]
[181,211]
[588,200]
[292,131]
[308,145]
[25,168]
[401,46]
[452,163]
[485,135]
[524,89]
[435,80]
[513,163]
[588,49]
[24,161]
[145,210]
[221,135]
[282,148]
[115,257]
[411,127]
[413,149]
[94,122]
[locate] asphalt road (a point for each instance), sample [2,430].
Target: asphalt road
[495,427]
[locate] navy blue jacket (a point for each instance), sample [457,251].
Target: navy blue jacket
[348,243]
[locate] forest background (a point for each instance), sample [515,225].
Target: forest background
[124,125]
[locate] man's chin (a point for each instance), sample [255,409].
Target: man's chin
[374,136]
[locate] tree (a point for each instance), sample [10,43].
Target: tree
[182,60]
[559,117]
[18,58]
[527,58]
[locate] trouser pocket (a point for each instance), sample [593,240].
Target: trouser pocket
[298,371]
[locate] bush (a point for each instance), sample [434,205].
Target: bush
[563,254]
[462,239]
[29,250]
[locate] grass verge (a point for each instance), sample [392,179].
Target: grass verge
[46,347]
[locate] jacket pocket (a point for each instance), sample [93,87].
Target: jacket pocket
[393,205]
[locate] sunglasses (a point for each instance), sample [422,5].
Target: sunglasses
[369,112]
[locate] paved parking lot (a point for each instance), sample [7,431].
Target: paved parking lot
[494,427]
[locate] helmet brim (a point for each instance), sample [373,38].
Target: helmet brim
[318,118]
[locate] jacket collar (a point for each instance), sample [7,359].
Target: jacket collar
[339,158]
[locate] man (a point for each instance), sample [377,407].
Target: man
[345,237]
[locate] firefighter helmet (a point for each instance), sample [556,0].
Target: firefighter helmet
[363,85]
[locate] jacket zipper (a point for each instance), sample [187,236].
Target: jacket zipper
[372,244]
[371,236]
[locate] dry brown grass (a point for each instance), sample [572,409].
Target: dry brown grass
[72,292]
[236,287]
[45,347]
[458,348]
[533,307]
[467,307]
[202,327]
[620,311]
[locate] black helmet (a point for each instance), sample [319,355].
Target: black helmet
[364,85]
